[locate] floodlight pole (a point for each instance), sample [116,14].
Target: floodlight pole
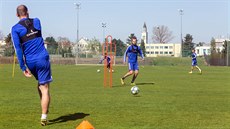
[77,7]
[103,26]
[181,11]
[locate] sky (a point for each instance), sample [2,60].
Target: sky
[203,19]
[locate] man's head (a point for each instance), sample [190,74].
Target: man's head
[134,40]
[193,50]
[22,11]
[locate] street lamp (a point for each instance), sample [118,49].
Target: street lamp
[181,11]
[103,26]
[77,7]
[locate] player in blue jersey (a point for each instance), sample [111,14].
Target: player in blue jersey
[194,62]
[32,55]
[108,61]
[132,52]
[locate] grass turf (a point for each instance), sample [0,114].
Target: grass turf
[177,100]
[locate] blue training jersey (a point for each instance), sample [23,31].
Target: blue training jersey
[194,56]
[132,53]
[32,49]
[108,59]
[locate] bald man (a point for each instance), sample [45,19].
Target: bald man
[32,55]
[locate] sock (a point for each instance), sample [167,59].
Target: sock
[44,116]
[134,77]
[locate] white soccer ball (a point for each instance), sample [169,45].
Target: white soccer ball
[135,90]
[98,70]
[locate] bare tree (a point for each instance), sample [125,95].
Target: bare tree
[162,34]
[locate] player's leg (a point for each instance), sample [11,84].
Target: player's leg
[44,78]
[135,73]
[198,69]
[45,101]
[128,73]
[192,67]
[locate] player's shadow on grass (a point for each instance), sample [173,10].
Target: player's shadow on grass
[138,84]
[69,117]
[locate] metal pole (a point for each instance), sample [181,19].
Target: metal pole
[77,7]
[104,26]
[181,38]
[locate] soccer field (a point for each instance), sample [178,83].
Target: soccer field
[177,100]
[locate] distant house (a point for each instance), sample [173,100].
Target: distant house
[81,46]
[203,50]
[2,44]
[159,49]
[219,43]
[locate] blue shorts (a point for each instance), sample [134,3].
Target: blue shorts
[41,70]
[194,63]
[133,66]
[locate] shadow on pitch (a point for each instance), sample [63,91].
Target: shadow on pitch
[68,117]
[138,84]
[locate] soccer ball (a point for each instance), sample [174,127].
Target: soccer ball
[135,90]
[98,70]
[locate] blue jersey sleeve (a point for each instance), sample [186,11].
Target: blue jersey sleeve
[125,55]
[140,52]
[17,47]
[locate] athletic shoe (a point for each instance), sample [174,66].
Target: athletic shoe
[44,122]
[190,72]
[122,82]
[200,72]
[133,84]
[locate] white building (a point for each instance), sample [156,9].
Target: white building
[2,43]
[202,50]
[159,49]
[144,34]
[82,46]
[219,43]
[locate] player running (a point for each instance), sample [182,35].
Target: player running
[32,55]
[194,62]
[132,53]
[108,59]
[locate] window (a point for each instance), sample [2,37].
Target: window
[152,47]
[197,51]
[166,53]
[161,47]
[156,47]
[152,52]
[170,53]
[170,47]
[156,52]
[204,50]
[208,51]
[161,52]
[147,47]
[166,47]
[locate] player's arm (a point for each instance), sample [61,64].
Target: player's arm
[18,49]
[141,53]
[125,54]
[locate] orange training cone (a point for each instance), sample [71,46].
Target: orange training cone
[85,125]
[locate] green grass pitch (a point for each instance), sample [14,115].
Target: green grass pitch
[177,100]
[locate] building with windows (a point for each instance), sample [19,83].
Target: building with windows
[203,50]
[159,49]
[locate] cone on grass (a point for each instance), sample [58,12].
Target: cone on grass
[85,125]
